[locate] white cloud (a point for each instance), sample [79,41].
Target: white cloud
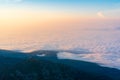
[113,13]
[108,60]
[100,14]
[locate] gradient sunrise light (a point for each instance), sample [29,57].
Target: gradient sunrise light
[23,13]
[20,18]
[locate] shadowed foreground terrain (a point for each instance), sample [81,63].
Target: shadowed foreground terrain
[30,66]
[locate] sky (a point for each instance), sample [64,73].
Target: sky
[27,25]
[20,15]
[83,8]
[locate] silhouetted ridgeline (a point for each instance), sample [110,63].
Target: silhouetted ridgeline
[30,66]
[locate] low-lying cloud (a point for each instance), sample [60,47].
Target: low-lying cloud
[103,59]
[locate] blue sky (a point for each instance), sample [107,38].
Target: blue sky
[103,4]
[80,3]
[82,7]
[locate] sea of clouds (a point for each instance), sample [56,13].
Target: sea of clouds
[101,44]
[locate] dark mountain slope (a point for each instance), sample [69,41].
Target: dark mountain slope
[34,69]
[29,66]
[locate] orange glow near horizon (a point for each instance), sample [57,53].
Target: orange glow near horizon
[24,20]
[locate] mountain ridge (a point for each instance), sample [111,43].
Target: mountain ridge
[27,62]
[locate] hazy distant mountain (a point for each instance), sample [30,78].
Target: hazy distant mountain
[34,67]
